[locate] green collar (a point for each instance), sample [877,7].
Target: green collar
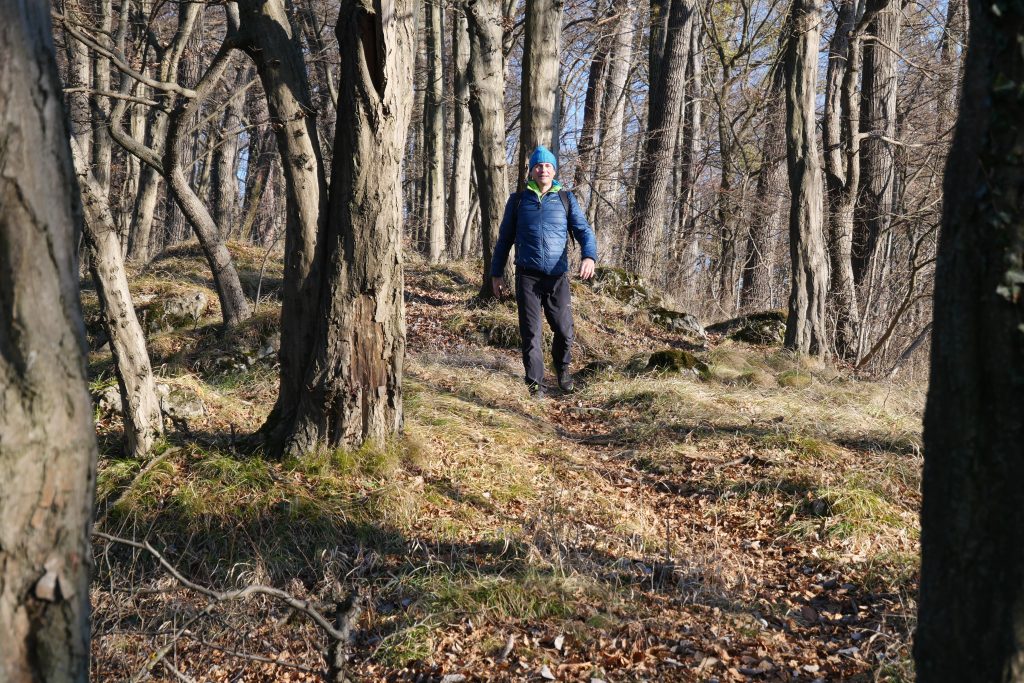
[532,185]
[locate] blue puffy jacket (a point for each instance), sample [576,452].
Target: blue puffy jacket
[540,232]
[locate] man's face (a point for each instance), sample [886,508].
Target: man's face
[543,173]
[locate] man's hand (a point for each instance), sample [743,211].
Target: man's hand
[498,286]
[587,268]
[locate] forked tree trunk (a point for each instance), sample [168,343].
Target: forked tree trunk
[842,173]
[47,447]
[841,129]
[539,78]
[354,380]
[805,325]
[656,166]
[971,625]
[432,214]
[487,108]
[462,145]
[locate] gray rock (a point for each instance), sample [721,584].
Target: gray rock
[677,321]
[108,400]
[178,311]
[179,405]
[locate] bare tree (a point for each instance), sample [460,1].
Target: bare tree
[874,209]
[143,422]
[667,97]
[972,530]
[805,325]
[487,108]
[354,379]
[539,78]
[48,448]
[433,209]
[459,215]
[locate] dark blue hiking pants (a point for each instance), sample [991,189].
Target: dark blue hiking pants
[536,291]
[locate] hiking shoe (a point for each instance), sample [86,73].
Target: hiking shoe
[565,381]
[538,390]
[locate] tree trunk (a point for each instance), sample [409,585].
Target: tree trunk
[487,108]
[433,134]
[587,148]
[971,626]
[539,78]
[101,144]
[225,157]
[462,147]
[354,382]
[609,183]
[282,70]
[48,447]
[656,167]
[805,325]
[143,423]
[878,122]
[757,268]
[656,47]
[842,172]
[727,206]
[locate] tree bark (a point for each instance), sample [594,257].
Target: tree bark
[355,378]
[487,109]
[879,88]
[757,268]
[971,625]
[268,39]
[462,145]
[539,78]
[225,156]
[587,147]
[805,325]
[48,447]
[143,422]
[608,182]
[433,135]
[656,167]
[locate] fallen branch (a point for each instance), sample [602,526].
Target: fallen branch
[347,612]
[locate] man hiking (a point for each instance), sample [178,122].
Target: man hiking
[538,221]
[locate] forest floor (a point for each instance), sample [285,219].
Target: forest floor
[755,521]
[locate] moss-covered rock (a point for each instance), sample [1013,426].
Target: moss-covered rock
[667,360]
[624,286]
[766,328]
[677,321]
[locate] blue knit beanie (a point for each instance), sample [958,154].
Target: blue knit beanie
[543,155]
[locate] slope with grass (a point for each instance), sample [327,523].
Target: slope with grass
[755,519]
